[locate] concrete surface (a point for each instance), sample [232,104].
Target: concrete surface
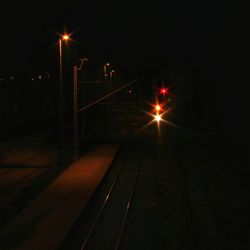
[44,223]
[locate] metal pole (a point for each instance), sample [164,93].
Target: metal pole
[75,112]
[61,143]
[105,71]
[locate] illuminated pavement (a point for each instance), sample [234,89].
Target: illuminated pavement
[46,220]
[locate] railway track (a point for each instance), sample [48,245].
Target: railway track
[166,194]
[190,220]
[105,228]
[204,229]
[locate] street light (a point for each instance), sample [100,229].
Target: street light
[112,72]
[157,118]
[157,107]
[62,38]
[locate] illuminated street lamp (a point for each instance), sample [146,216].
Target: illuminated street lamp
[62,38]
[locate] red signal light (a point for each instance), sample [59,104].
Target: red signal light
[163,91]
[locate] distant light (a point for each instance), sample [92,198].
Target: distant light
[40,77]
[32,79]
[163,91]
[107,64]
[157,107]
[157,118]
[130,91]
[12,78]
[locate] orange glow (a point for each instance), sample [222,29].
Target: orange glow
[157,107]
[65,37]
[158,119]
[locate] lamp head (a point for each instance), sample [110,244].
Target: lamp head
[65,37]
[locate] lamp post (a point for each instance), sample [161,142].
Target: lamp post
[112,72]
[62,38]
[105,67]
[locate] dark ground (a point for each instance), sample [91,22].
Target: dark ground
[197,199]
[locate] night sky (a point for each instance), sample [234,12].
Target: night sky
[133,34]
[206,38]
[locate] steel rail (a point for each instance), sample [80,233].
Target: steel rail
[108,195]
[214,211]
[192,237]
[118,173]
[130,200]
[192,234]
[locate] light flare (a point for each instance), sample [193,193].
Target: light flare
[157,118]
[163,91]
[157,107]
[65,37]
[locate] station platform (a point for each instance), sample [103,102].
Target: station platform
[45,222]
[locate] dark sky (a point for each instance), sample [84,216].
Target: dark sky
[129,33]
[208,38]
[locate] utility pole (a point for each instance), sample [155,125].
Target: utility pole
[75,113]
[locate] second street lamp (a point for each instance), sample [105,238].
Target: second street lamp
[105,69]
[62,38]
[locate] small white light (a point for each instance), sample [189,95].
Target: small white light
[157,118]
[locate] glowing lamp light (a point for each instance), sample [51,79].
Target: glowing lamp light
[157,107]
[65,37]
[163,91]
[157,118]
